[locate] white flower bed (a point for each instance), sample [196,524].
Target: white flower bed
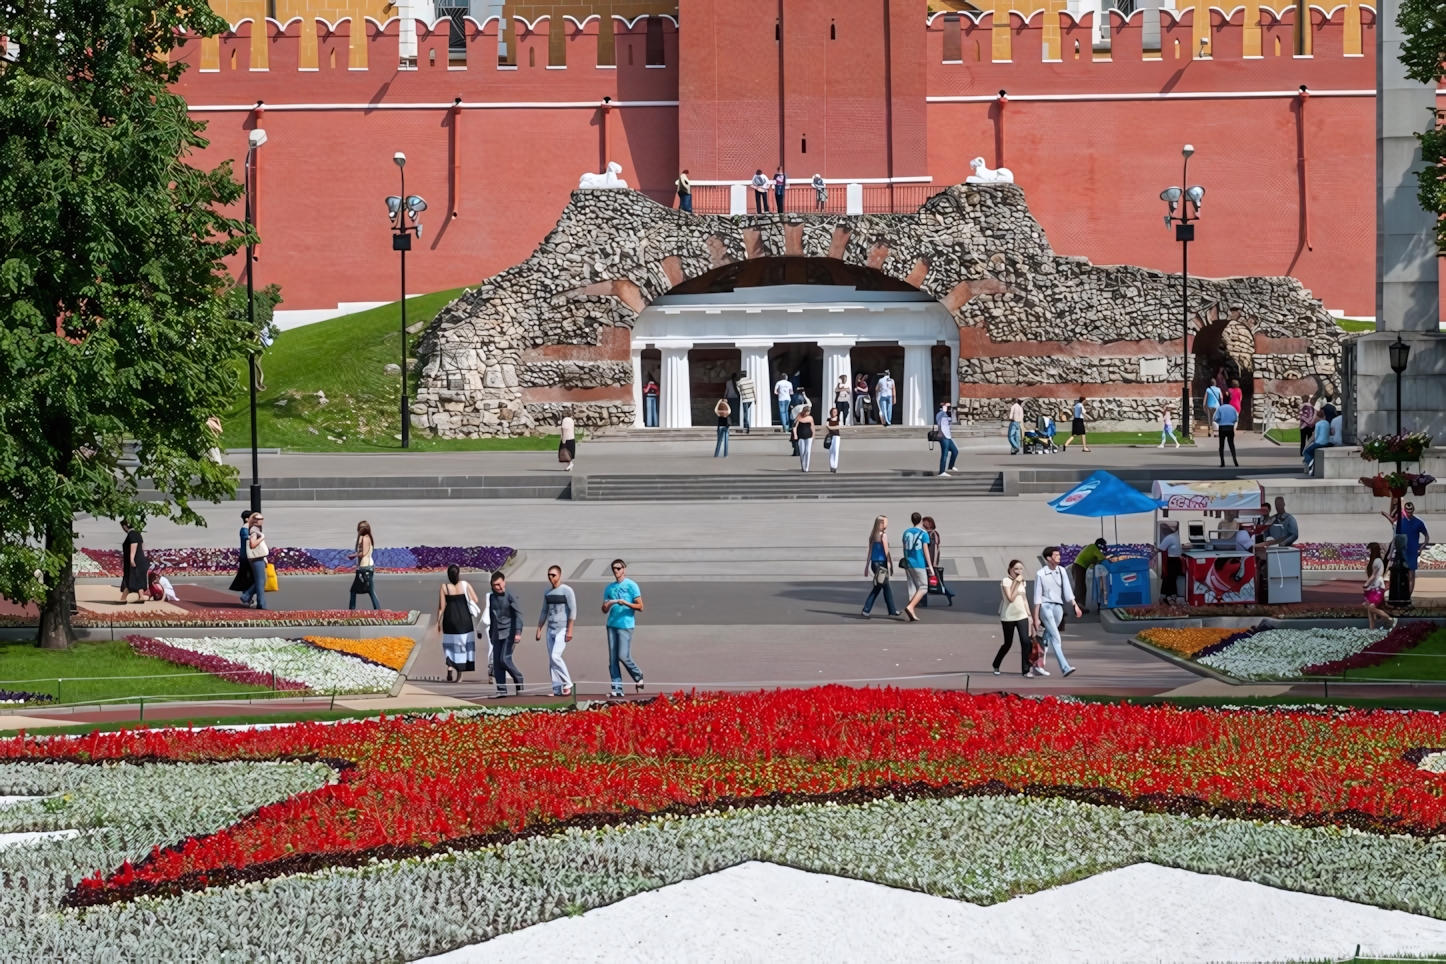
[323,670]
[984,850]
[1435,552]
[83,565]
[1283,653]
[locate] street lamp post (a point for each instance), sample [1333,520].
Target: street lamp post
[1400,576]
[401,209]
[254,140]
[1184,223]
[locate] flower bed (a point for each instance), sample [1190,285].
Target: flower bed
[293,663]
[1284,612]
[1403,637]
[1315,556]
[415,788]
[223,618]
[24,696]
[1274,654]
[1186,642]
[217,562]
[388,651]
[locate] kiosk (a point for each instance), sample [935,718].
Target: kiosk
[1119,581]
[1218,568]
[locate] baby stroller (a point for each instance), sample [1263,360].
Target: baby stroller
[1040,441]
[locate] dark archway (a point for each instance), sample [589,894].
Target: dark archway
[790,270]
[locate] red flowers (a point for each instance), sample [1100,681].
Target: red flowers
[429,784]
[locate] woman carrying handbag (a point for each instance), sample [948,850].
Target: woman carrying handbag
[365,580]
[878,565]
[263,577]
[937,586]
[457,612]
[1015,618]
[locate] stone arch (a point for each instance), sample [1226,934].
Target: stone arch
[550,336]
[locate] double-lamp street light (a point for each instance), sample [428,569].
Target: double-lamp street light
[402,209]
[1184,223]
[254,140]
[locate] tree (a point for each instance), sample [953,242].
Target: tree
[113,323]
[1423,24]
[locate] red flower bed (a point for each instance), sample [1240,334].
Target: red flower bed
[250,617]
[224,668]
[416,786]
[1405,636]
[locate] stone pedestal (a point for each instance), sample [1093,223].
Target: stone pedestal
[755,366]
[1407,291]
[916,397]
[675,399]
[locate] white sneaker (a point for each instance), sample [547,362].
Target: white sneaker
[1162,445]
[943,475]
[1042,672]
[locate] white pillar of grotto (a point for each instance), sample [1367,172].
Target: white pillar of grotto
[916,396]
[675,399]
[836,362]
[637,356]
[755,366]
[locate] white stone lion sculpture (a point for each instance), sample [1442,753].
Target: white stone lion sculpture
[983,175]
[608,179]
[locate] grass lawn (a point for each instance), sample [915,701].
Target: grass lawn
[1425,662]
[1351,324]
[25,666]
[1286,436]
[1120,438]
[345,359]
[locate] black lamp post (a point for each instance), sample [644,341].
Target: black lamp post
[1400,575]
[401,211]
[1184,233]
[254,140]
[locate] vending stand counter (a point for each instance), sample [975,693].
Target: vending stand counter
[1219,563]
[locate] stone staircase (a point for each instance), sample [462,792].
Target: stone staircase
[783,485]
[709,433]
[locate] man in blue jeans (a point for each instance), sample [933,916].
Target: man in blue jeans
[1052,592]
[948,451]
[622,601]
[783,391]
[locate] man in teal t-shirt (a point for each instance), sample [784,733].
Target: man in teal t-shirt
[916,564]
[622,601]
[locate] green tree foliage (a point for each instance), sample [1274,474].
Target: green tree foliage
[114,324]
[1423,24]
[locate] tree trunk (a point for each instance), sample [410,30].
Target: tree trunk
[55,628]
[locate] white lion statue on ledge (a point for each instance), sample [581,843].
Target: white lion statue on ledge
[983,175]
[608,179]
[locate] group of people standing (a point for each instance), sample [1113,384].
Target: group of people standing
[460,611]
[921,562]
[777,185]
[1045,426]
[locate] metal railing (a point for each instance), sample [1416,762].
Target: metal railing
[802,199]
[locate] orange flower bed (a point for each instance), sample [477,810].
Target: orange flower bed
[388,651]
[1186,642]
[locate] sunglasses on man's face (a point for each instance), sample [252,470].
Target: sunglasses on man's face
[617,568]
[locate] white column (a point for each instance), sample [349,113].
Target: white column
[637,354]
[836,362]
[854,199]
[676,395]
[737,199]
[755,366]
[917,397]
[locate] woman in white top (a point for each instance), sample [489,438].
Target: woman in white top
[365,579]
[1375,586]
[1167,431]
[567,447]
[842,395]
[1015,617]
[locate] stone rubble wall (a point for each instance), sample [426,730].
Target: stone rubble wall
[975,248]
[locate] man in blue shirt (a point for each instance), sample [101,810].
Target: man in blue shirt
[622,601]
[1212,402]
[916,564]
[1225,418]
[1416,536]
[1321,440]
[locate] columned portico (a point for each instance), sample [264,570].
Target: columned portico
[755,366]
[836,363]
[676,398]
[917,393]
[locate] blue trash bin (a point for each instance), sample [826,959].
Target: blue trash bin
[1127,582]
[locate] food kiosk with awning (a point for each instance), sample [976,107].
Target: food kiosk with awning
[1220,566]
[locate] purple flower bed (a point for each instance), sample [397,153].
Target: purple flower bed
[1225,643]
[333,560]
[21,696]
[487,558]
[206,663]
[394,557]
[1405,636]
[1130,550]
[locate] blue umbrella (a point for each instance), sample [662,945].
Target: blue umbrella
[1103,494]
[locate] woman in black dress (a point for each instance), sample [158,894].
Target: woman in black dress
[134,565]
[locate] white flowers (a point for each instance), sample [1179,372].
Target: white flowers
[1283,653]
[325,671]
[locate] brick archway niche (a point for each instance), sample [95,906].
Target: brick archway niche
[553,336]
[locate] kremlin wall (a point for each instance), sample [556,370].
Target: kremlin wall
[884,93]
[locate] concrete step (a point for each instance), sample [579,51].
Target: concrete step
[393,488]
[815,485]
[708,433]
